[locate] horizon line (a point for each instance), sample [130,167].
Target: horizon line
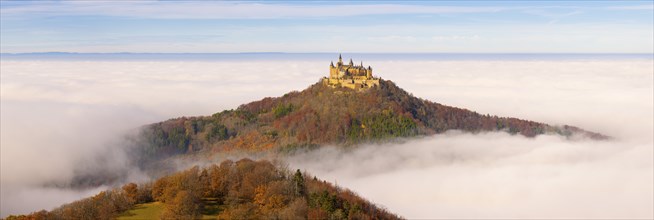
[278,52]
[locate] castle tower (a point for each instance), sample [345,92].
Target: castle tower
[369,73]
[351,63]
[340,60]
[333,71]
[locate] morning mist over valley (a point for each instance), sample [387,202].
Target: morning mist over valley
[310,110]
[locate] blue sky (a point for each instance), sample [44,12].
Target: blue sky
[431,27]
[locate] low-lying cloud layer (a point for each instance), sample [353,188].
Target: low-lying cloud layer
[495,175]
[57,116]
[61,119]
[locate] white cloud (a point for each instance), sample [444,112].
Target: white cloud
[26,199]
[246,10]
[57,114]
[302,28]
[553,15]
[240,10]
[456,38]
[632,7]
[393,38]
[591,94]
[495,176]
[151,85]
[213,10]
[384,38]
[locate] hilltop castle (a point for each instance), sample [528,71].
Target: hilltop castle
[350,76]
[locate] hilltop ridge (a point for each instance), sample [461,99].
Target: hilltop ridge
[321,115]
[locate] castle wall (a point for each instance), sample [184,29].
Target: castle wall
[349,85]
[350,76]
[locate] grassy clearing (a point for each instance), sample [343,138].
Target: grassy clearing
[150,210]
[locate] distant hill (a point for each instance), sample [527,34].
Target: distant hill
[244,189]
[321,115]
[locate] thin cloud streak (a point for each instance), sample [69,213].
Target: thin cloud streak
[632,7]
[221,10]
[230,10]
[155,26]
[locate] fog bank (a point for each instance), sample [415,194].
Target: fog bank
[63,119]
[495,175]
[58,117]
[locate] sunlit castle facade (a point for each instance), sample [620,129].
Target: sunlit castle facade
[350,76]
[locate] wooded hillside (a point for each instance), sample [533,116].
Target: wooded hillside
[322,115]
[244,189]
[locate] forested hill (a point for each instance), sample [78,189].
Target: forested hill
[244,189]
[322,115]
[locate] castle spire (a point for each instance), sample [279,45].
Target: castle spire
[340,59]
[361,63]
[331,64]
[351,63]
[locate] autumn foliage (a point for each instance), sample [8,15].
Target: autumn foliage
[322,115]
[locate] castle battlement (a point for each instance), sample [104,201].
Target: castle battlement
[350,75]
